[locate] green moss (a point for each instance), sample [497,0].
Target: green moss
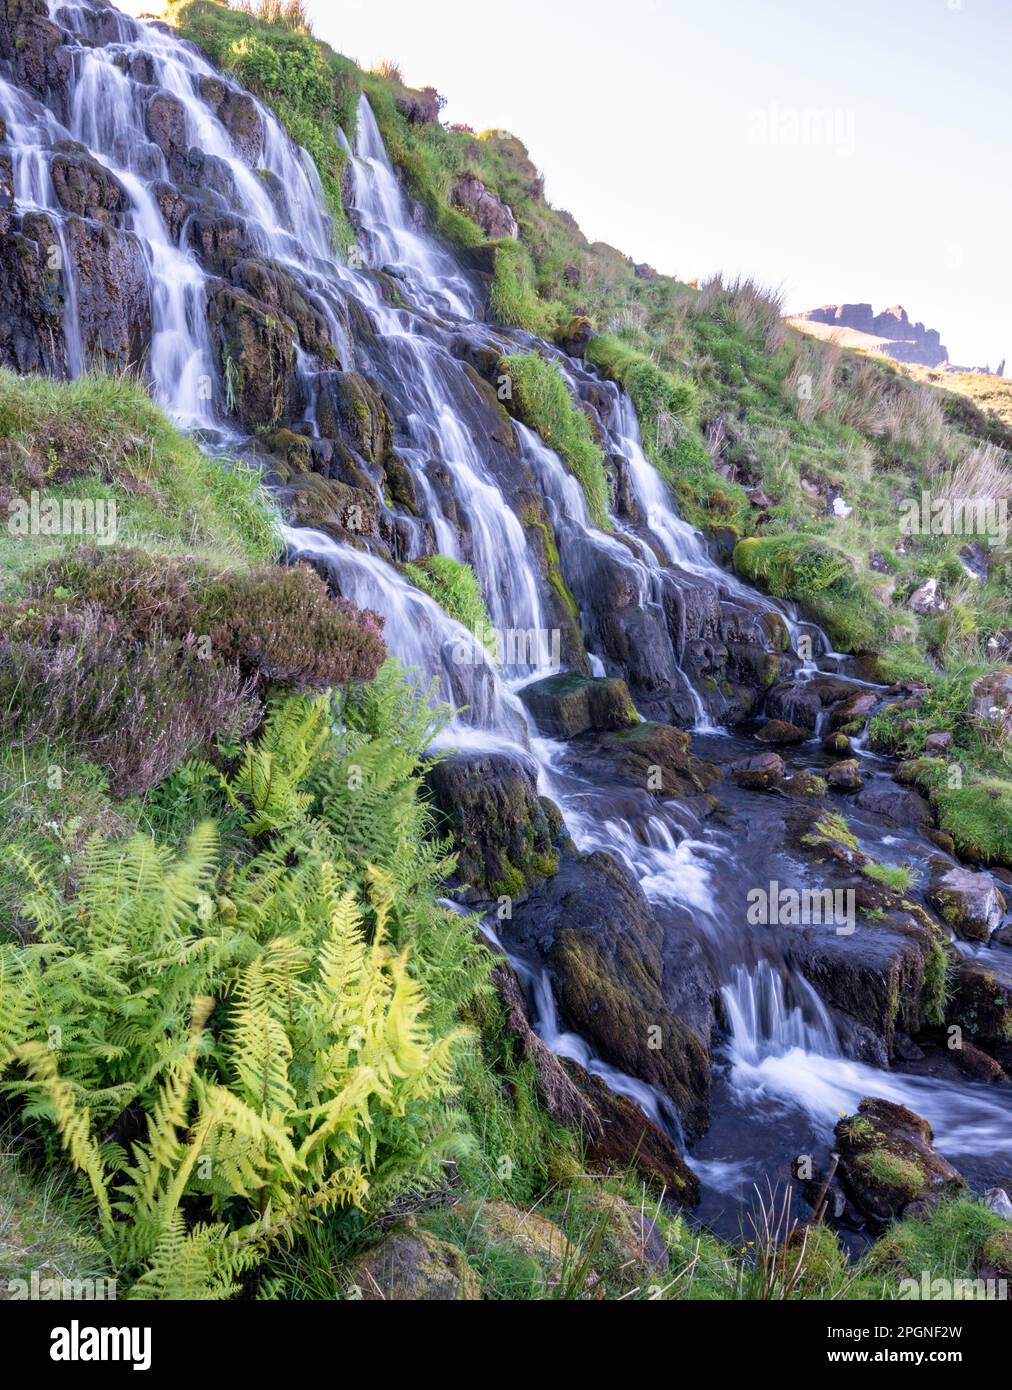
[542,401]
[896,877]
[454,585]
[533,518]
[834,828]
[937,985]
[892,1171]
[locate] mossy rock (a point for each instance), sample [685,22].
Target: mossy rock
[256,349]
[351,407]
[658,757]
[503,831]
[629,1248]
[888,1161]
[410,1263]
[981,1001]
[780,731]
[764,773]
[570,704]
[996,1255]
[526,1232]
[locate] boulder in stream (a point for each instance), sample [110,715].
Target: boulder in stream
[570,704]
[889,1164]
[970,902]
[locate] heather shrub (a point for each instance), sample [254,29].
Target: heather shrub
[283,626]
[278,625]
[137,710]
[144,592]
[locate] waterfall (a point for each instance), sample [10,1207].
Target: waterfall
[416,314]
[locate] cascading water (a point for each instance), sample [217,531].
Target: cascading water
[783,1055]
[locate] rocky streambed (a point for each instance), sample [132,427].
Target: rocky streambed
[654,747]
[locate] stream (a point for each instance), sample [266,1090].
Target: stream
[784,1069]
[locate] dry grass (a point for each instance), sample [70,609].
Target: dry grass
[982,471]
[390,71]
[744,304]
[290,14]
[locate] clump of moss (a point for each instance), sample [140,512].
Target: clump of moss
[540,398]
[454,585]
[896,877]
[893,1171]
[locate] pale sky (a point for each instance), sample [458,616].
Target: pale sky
[855,150]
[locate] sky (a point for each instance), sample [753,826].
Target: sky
[853,150]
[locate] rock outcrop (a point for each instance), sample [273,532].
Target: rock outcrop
[898,337]
[889,1164]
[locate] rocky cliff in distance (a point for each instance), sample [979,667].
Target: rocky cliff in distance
[896,336]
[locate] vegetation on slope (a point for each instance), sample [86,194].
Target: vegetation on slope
[806,454]
[296,1045]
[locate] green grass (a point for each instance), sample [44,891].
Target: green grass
[44,1225]
[896,877]
[103,436]
[454,585]
[542,401]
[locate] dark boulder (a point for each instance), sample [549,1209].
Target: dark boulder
[761,774]
[566,705]
[604,949]
[166,121]
[238,113]
[502,830]
[627,1139]
[889,1164]
[777,731]
[845,776]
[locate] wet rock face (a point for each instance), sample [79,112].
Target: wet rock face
[624,1138]
[112,293]
[35,47]
[87,188]
[567,705]
[503,831]
[256,352]
[166,120]
[888,1161]
[595,930]
[969,902]
[876,975]
[238,113]
[31,297]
